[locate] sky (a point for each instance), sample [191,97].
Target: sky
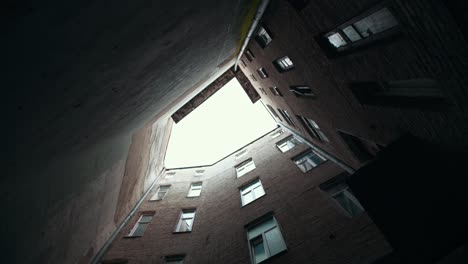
[224,123]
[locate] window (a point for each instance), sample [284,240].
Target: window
[139,229]
[251,192]
[186,221]
[249,55]
[362,149]
[301,91]
[275,91]
[313,129]
[415,93]
[241,153]
[265,239]
[262,90]
[161,193]
[263,37]
[253,77]
[170,175]
[288,143]
[273,112]
[195,189]
[308,160]
[287,117]
[277,133]
[283,64]
[262,73]
[199,173]
[342,195]
[174,259]
[364,29]
[243,63]
[245,167]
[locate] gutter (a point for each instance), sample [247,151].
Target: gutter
[97,258]
[261,9]
[320,151]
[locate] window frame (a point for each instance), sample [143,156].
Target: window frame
[138,223]
[275,91]
[173,258]
[249,55]
[165,194]
[255,224]
[306,153]
[262,73]
[288,139]
[281,67]
[302,91]
[336,186]
[259,39]
[388,34]
[198,185]
[273,112]
[199,173]
[181,218]
[313,129]
[246,163]
[249,188]
[287,117]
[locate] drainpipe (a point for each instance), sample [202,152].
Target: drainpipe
[105,247]
[260,10]
[320,151]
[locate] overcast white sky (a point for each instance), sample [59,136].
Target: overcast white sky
[224,123]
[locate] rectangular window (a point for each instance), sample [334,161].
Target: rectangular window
[251,192]
[245,167]
[362,149]
[243,63]
[301,91]
[253,77]
[186,219]
[288,143]
[161,193]
[262,73]
[139,229]
[415,93]
[277,133]
[199,173]
[273,112]
[263,37]
[249,55]
[170,175]
[195,189]
[283,64]
[265,239]
[275,91]
[362,30]
[287,117]
[342,195]
[174,259]
[308,160]
[262,90]
[313,129]
[241,153]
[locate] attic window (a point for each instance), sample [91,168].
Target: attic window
[263,37]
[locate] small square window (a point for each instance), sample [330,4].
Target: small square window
[283,64]
[251,192]
[141,225]
[275,91]
[308,160]
[263,37]
[170,175]
[186,220]
[195,189]
[262,73]
[161,193]
[288,143]
[245,167]
[249,55]
[199,173]
[265,239]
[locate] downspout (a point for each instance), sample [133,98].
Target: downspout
[260,10]
[105,247]
[320,151]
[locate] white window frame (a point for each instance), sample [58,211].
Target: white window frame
[170,174]
[141,221]
[245,167]
[263,37]
[277,133]
[195,189]
[241,153]
[254,233]
[155,196]
[307,159]
[284,64]
[262,73]
[314,129]
[288,143]
[253,189]
[185,215]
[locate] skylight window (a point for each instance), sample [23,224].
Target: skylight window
[224,123]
